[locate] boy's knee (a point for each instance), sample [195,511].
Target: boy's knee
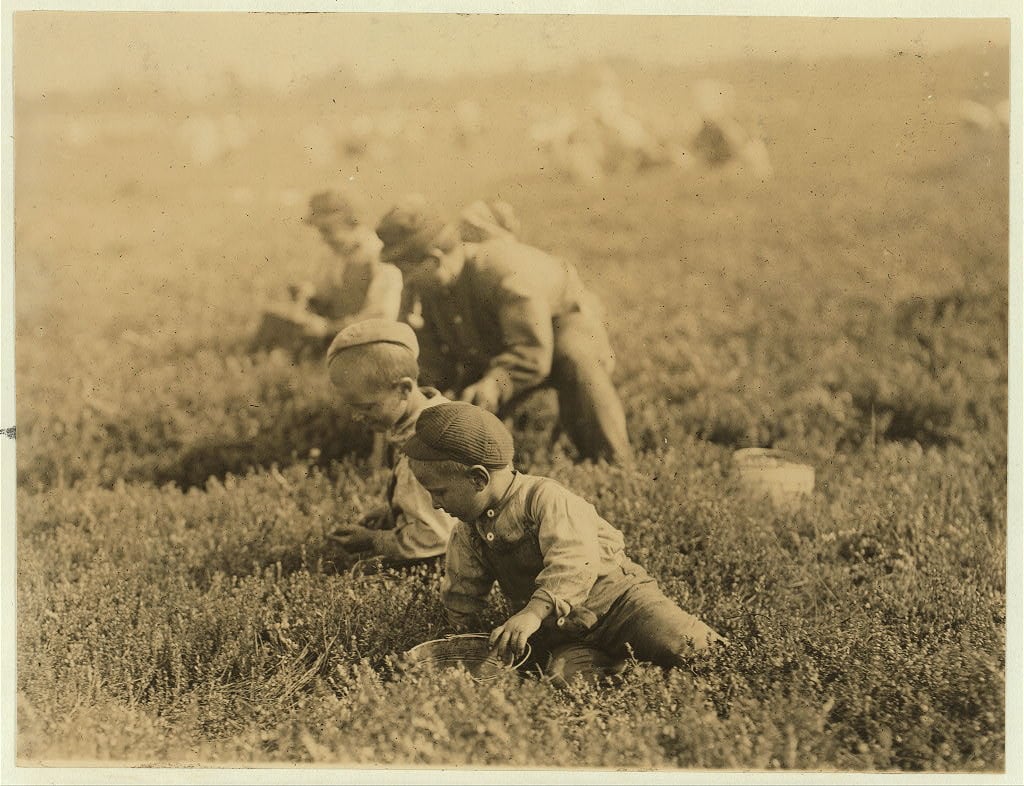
[695,643]
[674,637]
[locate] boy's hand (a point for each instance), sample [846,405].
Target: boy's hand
[486,394]
[352,536]
[514,633]
[375,518]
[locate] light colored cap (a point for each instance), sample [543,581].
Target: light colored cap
[373,331]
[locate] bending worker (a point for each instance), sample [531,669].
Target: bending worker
[501,319]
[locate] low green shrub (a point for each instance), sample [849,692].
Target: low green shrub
[867,624]
[177,598]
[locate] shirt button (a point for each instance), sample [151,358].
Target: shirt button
[457,319]
[560,622]
[490,513]
[489,536]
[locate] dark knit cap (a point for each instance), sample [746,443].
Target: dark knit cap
[408,230]
[458,431]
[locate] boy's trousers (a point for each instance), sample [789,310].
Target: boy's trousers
[643,622]
[589,407]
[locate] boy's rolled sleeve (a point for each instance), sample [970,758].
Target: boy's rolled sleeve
[568,542]
[421,530]
[418,536]
[383,296]
[467,581]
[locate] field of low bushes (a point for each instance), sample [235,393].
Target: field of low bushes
[178,601]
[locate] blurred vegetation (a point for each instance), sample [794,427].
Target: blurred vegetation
[177,598]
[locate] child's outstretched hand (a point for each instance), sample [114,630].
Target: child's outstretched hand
[485,394]
[514,633]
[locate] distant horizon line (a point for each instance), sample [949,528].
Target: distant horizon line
[225,75]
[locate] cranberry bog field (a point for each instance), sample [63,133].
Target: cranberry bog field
[177,601]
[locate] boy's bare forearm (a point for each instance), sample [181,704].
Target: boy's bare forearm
[539,607]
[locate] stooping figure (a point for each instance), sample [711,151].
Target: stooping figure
[372,365]
[355,286]
[501,319]
[489,219]
[579,599]
[360,286]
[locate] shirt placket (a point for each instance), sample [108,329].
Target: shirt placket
[486,529]
[485,526]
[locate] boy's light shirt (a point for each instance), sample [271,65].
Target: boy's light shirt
[402,431]
[383,295]
[552,545]
[420,530]
[374,292]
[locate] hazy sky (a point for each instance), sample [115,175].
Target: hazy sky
[77,50]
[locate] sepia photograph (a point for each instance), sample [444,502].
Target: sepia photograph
[415,394]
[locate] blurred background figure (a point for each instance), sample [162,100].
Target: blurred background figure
[626,141]
[572,152]
[721,139]
[354,285]
[488,219]
[978,116]
[607,135]
[610,135]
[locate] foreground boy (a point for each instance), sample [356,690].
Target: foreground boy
[558,562]
[373,366]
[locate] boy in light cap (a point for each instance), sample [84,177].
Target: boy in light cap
[560,564]
[373,365]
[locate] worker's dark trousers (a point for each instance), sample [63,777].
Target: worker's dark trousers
[588,404]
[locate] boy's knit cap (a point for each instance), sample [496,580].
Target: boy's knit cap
[373,331]
[335,205]
[458,431]
[408,230]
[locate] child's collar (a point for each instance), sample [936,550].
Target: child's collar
[420,399]
[492,511]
